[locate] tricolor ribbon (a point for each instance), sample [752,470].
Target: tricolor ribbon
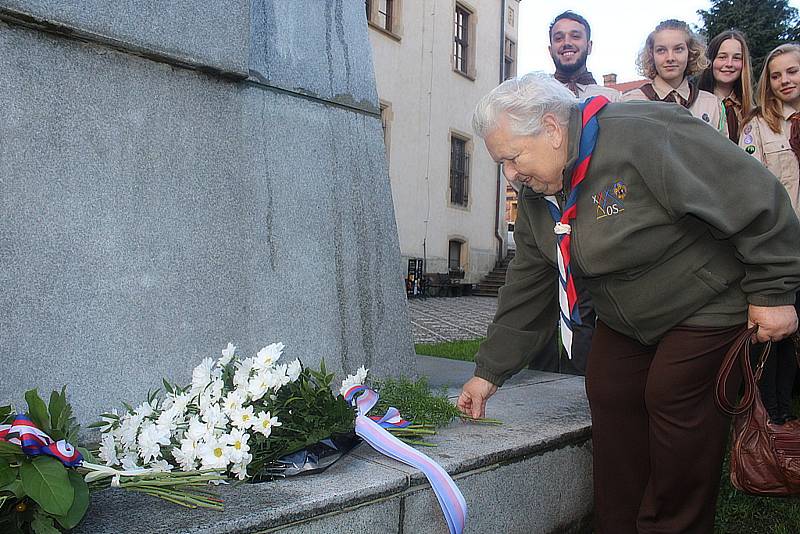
[34,442]
[567,294]
[449,496]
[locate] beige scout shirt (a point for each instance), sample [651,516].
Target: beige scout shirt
[586,91]
[707,107]
[773,150]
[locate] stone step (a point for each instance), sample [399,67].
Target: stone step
[532,474]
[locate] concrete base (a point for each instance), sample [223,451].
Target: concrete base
[530,475]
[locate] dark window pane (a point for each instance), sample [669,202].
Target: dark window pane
[459,172]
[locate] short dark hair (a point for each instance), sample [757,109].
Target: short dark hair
[571,15]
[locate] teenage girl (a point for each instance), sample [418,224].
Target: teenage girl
[773,136]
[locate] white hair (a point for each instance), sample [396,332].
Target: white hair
[525,101]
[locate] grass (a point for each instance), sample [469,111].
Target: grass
[737,513]
[453,350]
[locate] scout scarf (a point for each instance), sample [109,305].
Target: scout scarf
[583,77]
[732,119]
[673,96]
[567,295]
[794,135]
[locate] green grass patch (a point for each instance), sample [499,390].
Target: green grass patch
[454,350]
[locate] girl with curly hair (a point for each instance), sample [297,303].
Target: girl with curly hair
[671,54]
[730,77]
[773,137]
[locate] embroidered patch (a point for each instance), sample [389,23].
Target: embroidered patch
[748,129]
[750,149]
[748,139]
[610,201]
[705,117]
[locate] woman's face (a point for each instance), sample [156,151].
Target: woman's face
[727,65]
[671,54]
[784,78]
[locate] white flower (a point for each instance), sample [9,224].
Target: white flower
[294,370]
[144,410]
[167,419]
[268,355]
[242,375]
[243,418]
[239,469]
[108,450]
[214,417]
[129,429]
[261,383]
[201,375]
[186,455]
[197,430]
[264,423]
[237,441]
[150,439]
[213,453]
[281,379]
[357,379]
[227,354]
[129,461]
[161,466]
[233,401]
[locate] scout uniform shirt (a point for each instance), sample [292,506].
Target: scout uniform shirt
[586,91]
[651,245]
[705,107]
[773,150]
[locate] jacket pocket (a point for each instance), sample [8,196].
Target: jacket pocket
[713,280]
[779,158]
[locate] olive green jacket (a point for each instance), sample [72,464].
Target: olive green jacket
[675,225]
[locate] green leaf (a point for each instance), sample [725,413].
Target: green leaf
[10,450]
[15,487]
[87,455]
[8,474]
[43,524]
[5,413]
[37,410]
[57,407]
[45,480]
[79,505]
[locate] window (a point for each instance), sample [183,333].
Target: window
[383,14]
[368,5]
[454,256]
[459,171]
[461,40]
[510,16]
[509,59]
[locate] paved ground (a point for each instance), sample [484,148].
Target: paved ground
[434,320]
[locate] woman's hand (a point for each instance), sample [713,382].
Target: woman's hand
[774,322]
[474,395]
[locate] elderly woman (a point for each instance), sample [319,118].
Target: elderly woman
[679,251]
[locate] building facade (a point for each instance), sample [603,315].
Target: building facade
[434,59]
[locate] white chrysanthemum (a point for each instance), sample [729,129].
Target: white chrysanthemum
[197,429]
[267,356]
[180,402]
[216,389]
[213,453]
[243,418]
[130,461]
[214,417]
[227,354]
[201,375]
[168,419]
[357,379]
[129,429]
[242,375]
[186,454]
[261,383]
[108,450]
[234,400]
[294,370]
[237,441]
[264,423]
[239,469]
[144,410]
[150,440]
[281,377]
[162,466]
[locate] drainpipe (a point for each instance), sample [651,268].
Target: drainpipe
[500,180]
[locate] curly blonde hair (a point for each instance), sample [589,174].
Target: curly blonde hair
[697,50]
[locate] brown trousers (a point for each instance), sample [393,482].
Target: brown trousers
[658,438]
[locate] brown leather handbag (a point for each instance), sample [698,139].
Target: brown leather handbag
[765,458]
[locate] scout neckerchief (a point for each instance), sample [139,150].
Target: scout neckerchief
[582,77]
[794,135]
[673,96]
[731,118]
[567,296]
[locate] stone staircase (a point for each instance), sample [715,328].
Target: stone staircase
[489,285]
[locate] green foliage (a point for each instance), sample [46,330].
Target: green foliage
[45,480]
[5,414]
[309,414]
[454,350]
[79,504]
[765,23]
[416,401]
[37,410]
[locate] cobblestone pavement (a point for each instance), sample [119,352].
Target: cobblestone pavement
[434,320]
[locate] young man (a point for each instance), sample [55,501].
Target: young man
[570,46]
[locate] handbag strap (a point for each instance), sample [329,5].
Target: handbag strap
[740,351]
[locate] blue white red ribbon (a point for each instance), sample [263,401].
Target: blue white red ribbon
[34,442]
[567,294]
[373,432]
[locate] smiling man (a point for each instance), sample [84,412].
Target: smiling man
[679,252]
[570,46]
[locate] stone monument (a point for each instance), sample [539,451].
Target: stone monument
[177,175]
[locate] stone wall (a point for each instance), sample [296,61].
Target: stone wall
[174,178]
